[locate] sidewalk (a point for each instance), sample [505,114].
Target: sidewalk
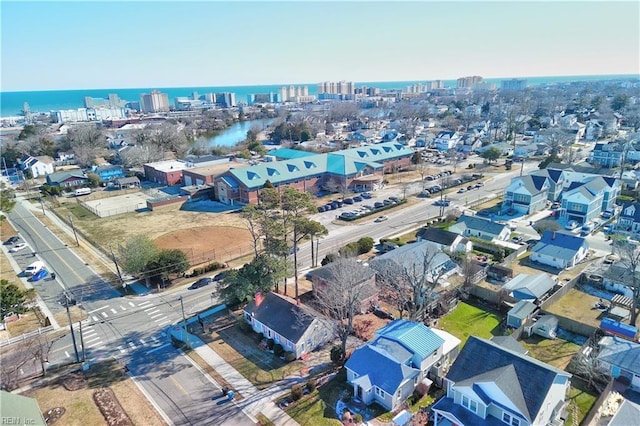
[255,401]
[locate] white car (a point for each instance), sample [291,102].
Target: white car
[382,218]
[17,247]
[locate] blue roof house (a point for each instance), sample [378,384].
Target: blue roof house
[560,250]
[109,172]
[622,358]
[401,355]
[489,384]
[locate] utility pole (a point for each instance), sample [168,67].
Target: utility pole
[521,165]
[113,256]
[73,336]
[42,205]
[75,234]
[184,320]
[84,355]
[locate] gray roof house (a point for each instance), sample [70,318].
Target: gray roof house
[526,194]
[555,179]
[489,384]
[629,219]
[559,250]
[402,355]
[297,330]
[445,240]
[474,226]
[521,313]
[69,178]
[529,287]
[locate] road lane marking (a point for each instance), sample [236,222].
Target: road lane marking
[132,304]
[146,302]
[133,346]
[104,315]
[121,349]
[123,308]
[113,311]
[91,346]
[166,321]
[148,309]
[96,310]
[67,354]
[159,314]
[157,348]
[143,342]
[95,318]
[92,339]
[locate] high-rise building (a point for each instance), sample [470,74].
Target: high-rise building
[513,84]
[226,99]
[293,93]
[339,87]
[154,102]
[267,98]
[471,82]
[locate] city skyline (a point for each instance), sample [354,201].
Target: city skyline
[81,45]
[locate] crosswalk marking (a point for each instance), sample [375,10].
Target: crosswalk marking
[121,349]
[123,308]
[104,315]
[67,354]
[89,332]
[93,339]
[144,303]
[166,321]
[114,311]
[132,304]
[157,348]
[92,345]
[95,318]
[133,346]
[143,342]
[150,308]
[159,314]
[153,312]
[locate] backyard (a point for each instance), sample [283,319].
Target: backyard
[555,352]
[467,320]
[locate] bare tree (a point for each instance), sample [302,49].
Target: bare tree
[337,184]
[141,154]
[630,258]
[341,296]
[411,285]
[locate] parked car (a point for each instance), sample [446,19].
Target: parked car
[368,207]
[517,239]
[348,201]
[12,240]
[42,273]
[357,199]
[34,268]
[334,205]
[17,247]
[378,204]
[571,225]
[461,190]
[201,283]
[478,185]
[607,214]
[470,187]
[382,314]
[367,195]
[395,199]
[484,213]
[381,218]
[220,276]
[322,209]
[387,202]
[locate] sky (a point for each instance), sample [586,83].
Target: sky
[88,44]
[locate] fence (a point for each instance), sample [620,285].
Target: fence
[215,255]
[113,212]
[25,336]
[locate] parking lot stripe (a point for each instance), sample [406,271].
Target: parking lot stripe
[67,354]
[123,308]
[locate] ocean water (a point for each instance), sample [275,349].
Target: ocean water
[11,103]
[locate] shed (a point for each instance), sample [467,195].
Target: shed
[545,326]
[520,314]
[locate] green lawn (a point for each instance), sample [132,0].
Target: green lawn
[580,402]
[467,320]
[318,408]
[556,352]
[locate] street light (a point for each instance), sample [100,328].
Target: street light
[184,320]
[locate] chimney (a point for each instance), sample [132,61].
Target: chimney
[258,298]
[553,236]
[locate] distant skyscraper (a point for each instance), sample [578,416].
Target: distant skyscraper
[293,93]
[337,88]
[513,84]
[154,102]
[225,99]
[471,82]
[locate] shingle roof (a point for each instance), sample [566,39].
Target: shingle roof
[415,336]
[57,177]
[524,380]
[522,309]
[636,213]
[327,272]
[558,244]
[383,371]
[622,353]
[437,235]
[412,255]
[280,315]
[526,286]
[628,414]
[478,223]
[508,342]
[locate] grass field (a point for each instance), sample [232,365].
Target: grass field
[580,402]
[318,408]
[467,320]
[556,352]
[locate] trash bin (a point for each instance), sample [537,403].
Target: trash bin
[230,395]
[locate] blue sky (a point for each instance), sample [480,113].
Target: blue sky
[79,45]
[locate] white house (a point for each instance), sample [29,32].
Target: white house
[559,250]
[445,240]
[37,166]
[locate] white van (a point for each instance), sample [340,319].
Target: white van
[82,191]
[34,267]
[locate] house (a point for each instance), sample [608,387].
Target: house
[508,342]
[499,273]
[108,172]
[445,240]
[20,410]
[37,166]
[621,357]
[127,182]
[619,279]
[559,250]
[629,219]
[68,179]
[529,287]
[401,356]
[474,226]
[446,140]
[287,324]
[526,194]
[367,286]
[612,154]
[521,313]
[411,258]
[586,200]
[555,180]
[491,385]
